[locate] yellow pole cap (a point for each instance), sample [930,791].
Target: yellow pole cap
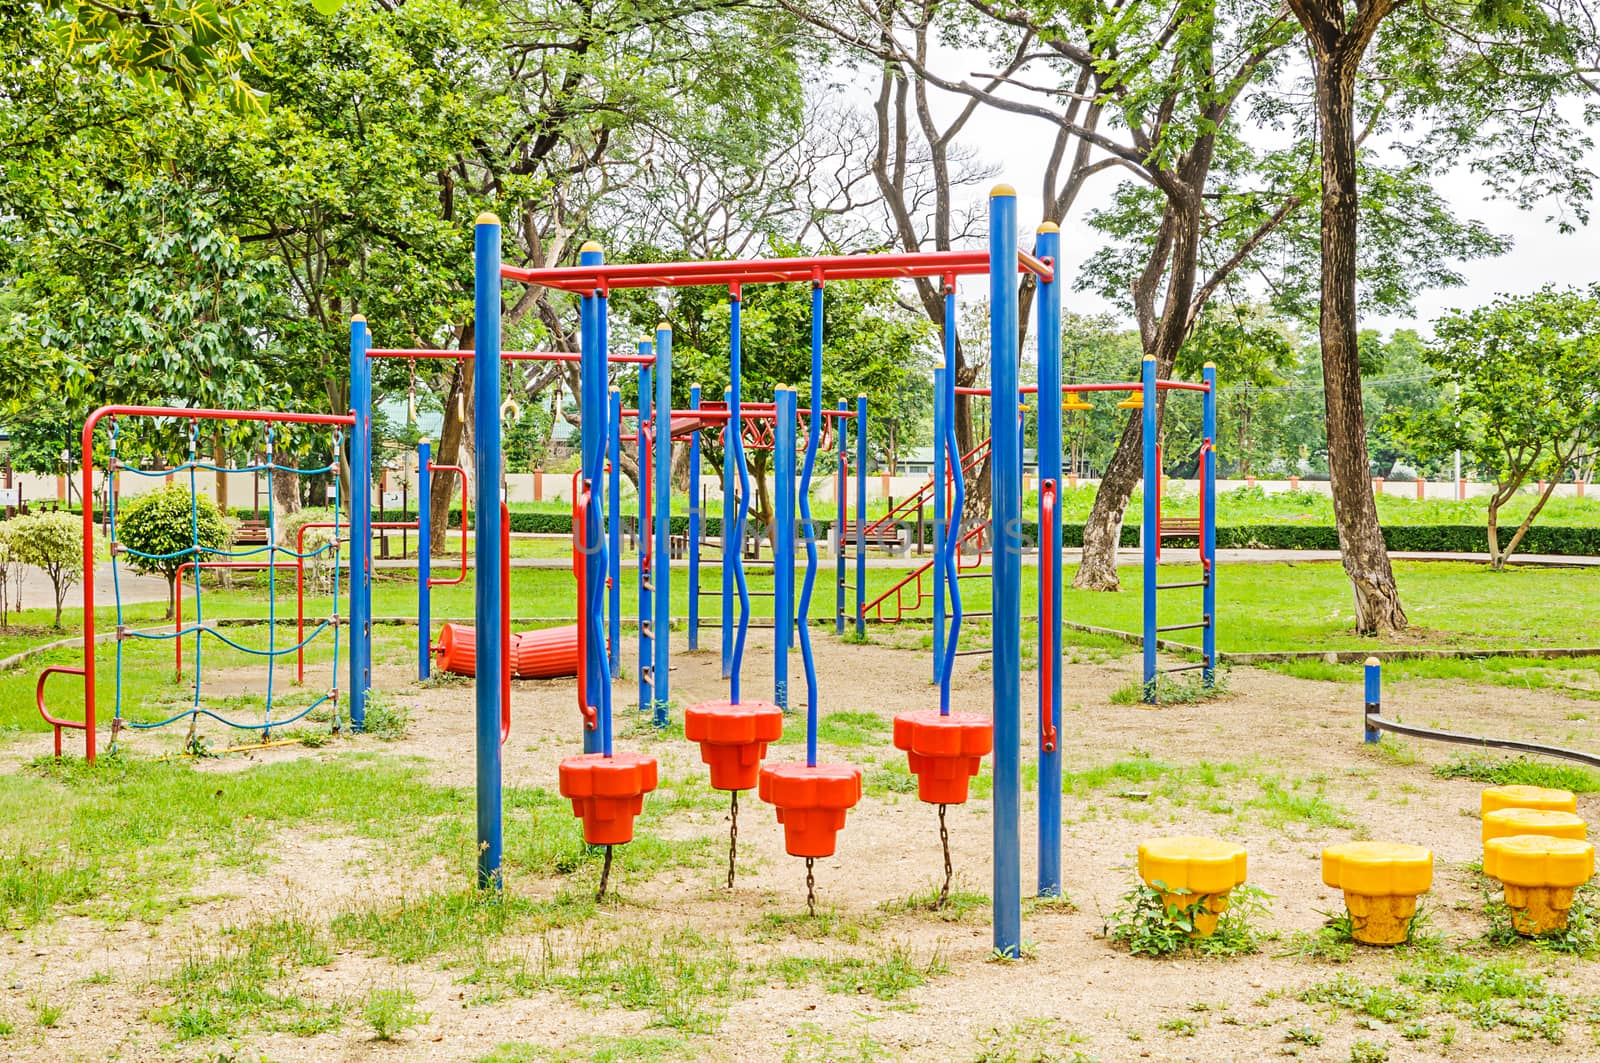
[358,317]
[591,245]
[1048,227]
[1373,662]
[665,326]
[1209,365]
[648,337]
[1149,357]
[1002,190]
[424,441]
[488,218]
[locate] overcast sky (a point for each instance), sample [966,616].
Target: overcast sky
[1540,253]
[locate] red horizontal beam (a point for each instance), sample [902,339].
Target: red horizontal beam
[768,270]
[509,356]
[745,414]
[1031,389]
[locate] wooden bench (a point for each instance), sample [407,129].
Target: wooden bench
[1180,527]
[251,533]
[889,536]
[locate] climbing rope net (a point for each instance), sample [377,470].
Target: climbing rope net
[279,709]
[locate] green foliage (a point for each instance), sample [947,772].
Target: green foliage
[391,1012]
[1145,924]
[52,542]
[1521,771]
[193,47]
[176,525]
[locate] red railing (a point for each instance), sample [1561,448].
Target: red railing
[1049,557]
[38,699]
[914,578]
[580,569]
[900,510]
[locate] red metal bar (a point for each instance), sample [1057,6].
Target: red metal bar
[1205,561]
[38,699]
[1180,385]
[1048,558]
[1160,478]
[86,442]
[505,616]
[767,271]
[441,581]
[505,356]
[924,492]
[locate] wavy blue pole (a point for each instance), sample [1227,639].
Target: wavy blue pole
[861,516]
[783,548]
[729,547]
[1006,493]
[1208,594]
[647,653]
[813,441]
[614,528]
[424,559]
[1048,304]
[736,441]
[360,523]
[941,530]
[694,524]
[950,563]
[1151,534]
[661,633]
[486,528]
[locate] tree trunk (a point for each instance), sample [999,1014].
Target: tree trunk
[285,497]
[172,596]
[448,452]
[1355,514]
[219,458]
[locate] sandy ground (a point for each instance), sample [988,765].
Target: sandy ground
[1072,993]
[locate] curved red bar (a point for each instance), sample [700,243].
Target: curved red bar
[38,699]
[1048,559]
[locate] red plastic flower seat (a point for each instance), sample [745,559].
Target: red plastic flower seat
[943,752]
[733,739]
[607,793]
[811,803]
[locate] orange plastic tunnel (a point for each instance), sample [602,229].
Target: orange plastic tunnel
[543,654]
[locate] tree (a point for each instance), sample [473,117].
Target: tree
[52,542]
[10,575]
[1529,400]
[167,529]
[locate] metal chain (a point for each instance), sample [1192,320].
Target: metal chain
[811,888]
[944,840]
[733,836]
[605,876]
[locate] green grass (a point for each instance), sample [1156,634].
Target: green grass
[410,931]
[1521,771]
[653,1048]
[887,975]
[853,729]
[391,1012]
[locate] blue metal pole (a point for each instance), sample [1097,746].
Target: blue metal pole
[940,518]
[1374,707]
[596,364]
[424,559]
[360,523]
[1151,535]
[861,516]
[1208,594]
[647,653]
[592,401]
[955,509]
[661,633]
[813,441]
[725,622]
[486,529]
[694,524]
[1006,495]
[783,549]
[1048,301]
[736,442]
[841,506]
[614,527]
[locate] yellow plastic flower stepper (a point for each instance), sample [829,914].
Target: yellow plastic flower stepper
[1189,871]
[1497,797]
[1540,875]
[1510,822]
[1381,881]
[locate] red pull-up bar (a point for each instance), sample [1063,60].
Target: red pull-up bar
[507,356]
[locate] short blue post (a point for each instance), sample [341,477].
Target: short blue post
[1006,493]
[486,531]
[647,653]
[614,528]
[940,497]
[360,522]
[1208,594]
[424,559]
[1150,532]
[661,635]
[861,516]
[1374,707]
[592,447]
[694,523]
[1047,247]
[841,508]
[728,544]
[783,549]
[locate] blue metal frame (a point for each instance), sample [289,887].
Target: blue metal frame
[694,524]
[1006,493]
[813,442]
[361,522]
[1208,594]
[1047,302]
[783,549]
[486,524]
[1150,532]
[947,559]
[424,559]
[861,516]
[736,441]
[661,636]
[941,531]
[592,398]
[729,547]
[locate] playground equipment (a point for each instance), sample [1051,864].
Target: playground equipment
[1375,723]
[1381,882]
[1540,875]
[1193,873]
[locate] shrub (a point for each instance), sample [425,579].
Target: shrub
[52,542]
[10,577]
[170,524]
[316,544]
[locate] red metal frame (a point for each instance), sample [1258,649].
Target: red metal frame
[505,616]
[1205,561]
[969,460]
[86,440]
[580,569]
[506,356]
[1066,389]
[815,269]
[1047,616]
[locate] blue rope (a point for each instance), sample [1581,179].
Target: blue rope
[263,727]
[272,586]
[200,629]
